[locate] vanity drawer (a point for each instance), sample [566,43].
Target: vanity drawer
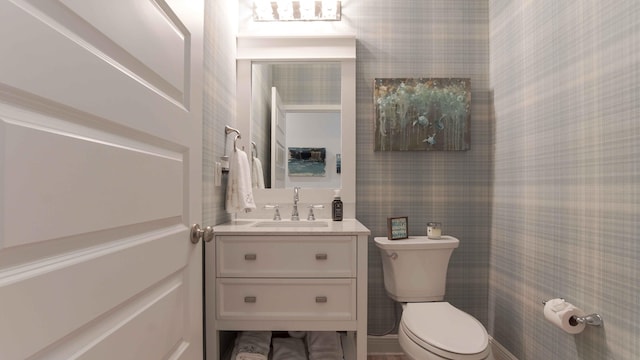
[286,256]
[286,299]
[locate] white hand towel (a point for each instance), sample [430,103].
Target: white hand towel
[288,349]
[257,177]
[252,345]
[239,193]
[324,345]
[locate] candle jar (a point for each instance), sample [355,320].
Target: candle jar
[434,230]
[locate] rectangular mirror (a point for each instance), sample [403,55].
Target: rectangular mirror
[315,79]
[296,105]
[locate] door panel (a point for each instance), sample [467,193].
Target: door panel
[83,286]
[164,35]
[279,140]
[99,62]
[84,172]
[100,179]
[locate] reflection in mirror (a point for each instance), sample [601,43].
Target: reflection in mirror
[292,52]
[295,109]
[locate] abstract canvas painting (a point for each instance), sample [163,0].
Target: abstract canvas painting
[307,161]
[422,114]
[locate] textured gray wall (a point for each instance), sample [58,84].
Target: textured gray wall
[418,38]
[546,201]
[219,110]
[445,38]
[219,100]
[565,77]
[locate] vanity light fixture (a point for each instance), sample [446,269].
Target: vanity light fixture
[302,10]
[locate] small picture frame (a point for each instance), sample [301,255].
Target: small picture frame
[397,228]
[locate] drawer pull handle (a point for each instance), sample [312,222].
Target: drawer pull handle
[250,256]
[321,256]
[250,299]
[321,299]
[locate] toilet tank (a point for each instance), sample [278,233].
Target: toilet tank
[415,269]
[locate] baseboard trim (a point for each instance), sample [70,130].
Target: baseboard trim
[499,351]
[388,344]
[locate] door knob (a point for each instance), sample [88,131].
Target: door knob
[198,233]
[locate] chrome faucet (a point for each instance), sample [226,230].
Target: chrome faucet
[296,197]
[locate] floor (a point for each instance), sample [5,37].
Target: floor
[387,357]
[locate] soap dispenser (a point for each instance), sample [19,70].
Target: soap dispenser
[336,206]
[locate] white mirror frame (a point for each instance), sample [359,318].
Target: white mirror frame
[308,48]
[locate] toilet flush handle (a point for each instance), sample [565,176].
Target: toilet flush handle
[393,255]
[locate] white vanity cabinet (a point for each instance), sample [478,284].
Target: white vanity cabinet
[289,278]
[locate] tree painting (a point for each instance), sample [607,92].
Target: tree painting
[422,114]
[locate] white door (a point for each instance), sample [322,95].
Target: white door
[278,142]
[100,178]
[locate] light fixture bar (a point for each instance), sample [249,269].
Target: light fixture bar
[302,10]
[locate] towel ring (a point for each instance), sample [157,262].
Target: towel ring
[225,159]
[235,145]
[228,130]
[254,149]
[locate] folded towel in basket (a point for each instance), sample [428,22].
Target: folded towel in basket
[252,345]
[288,348]
[324,345]
[297,334]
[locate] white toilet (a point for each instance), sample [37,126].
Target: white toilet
[415,274]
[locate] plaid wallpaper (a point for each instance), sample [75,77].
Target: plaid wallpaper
[565,77]
[219,100]
[545,203]
[445,38]
[314,83]
[419,38]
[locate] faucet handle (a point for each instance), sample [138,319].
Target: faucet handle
[311,215]
[276,214]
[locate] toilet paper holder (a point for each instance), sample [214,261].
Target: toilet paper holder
[591,319]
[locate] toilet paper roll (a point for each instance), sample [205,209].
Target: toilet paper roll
[559,313]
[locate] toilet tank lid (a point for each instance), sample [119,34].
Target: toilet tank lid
[417,242]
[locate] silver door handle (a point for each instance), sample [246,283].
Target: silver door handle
[321,299]
[250,299]
[250,256]
[198,233]
[321,256]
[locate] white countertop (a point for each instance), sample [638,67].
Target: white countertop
[262,226]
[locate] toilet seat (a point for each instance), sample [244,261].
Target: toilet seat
[444,330]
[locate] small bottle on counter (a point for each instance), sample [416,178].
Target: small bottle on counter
[336,206]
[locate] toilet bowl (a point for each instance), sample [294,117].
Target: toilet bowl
[438,330]
[415,271]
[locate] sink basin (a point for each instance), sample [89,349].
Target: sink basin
[288,224]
